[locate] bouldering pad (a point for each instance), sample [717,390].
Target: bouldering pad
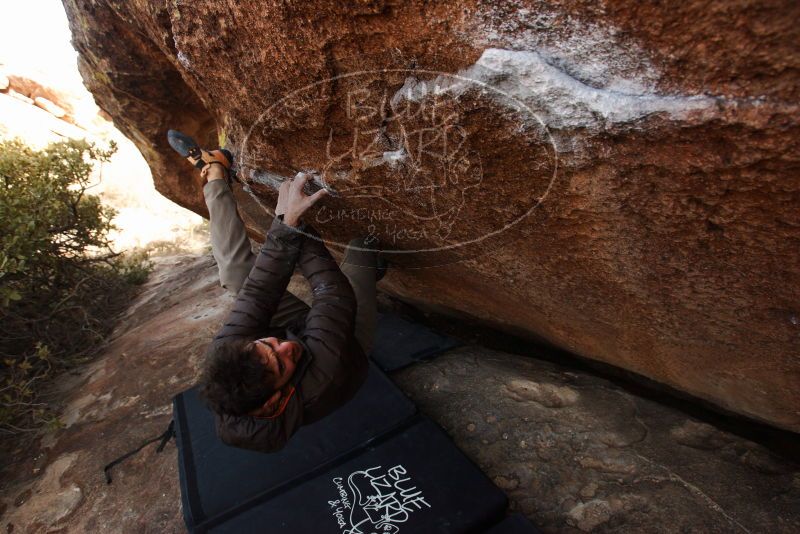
[217,479]
[400,343]
[514,524]
[415,481]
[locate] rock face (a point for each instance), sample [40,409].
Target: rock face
[574,453]
[620,180]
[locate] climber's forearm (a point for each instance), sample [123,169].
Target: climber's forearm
[260,295]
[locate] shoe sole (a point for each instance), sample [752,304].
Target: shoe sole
[188,148]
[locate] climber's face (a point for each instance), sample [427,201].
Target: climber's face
[280,357]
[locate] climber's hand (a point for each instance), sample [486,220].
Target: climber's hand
[293,202]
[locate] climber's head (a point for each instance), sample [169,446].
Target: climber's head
[249,377]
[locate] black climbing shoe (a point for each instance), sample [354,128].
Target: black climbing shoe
[199,157]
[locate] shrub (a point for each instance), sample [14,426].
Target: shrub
[61,284]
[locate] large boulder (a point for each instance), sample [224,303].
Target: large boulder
[622,181]
[44,96]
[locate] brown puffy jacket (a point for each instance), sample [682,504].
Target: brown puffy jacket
[333,365]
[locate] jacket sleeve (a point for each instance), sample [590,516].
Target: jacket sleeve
[331,319]
[262,290]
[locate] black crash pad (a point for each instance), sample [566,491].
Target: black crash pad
[514,524]
[216,479]
[414,482]
[399,343]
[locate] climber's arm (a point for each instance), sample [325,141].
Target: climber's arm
[262,290]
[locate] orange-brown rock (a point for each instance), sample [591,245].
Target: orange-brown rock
[621,180]
[50,98]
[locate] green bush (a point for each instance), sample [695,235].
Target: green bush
[61,284]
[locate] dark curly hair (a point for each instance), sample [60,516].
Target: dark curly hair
[234,380]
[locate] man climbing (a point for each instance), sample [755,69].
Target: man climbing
[277,364]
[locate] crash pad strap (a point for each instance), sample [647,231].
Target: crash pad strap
[164,437]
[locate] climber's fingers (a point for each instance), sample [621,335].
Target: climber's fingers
[299,181]
[316,196]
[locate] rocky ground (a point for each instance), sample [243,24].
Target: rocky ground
[578,453]
[575,452]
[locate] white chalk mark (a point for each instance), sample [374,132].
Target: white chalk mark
[561,100]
